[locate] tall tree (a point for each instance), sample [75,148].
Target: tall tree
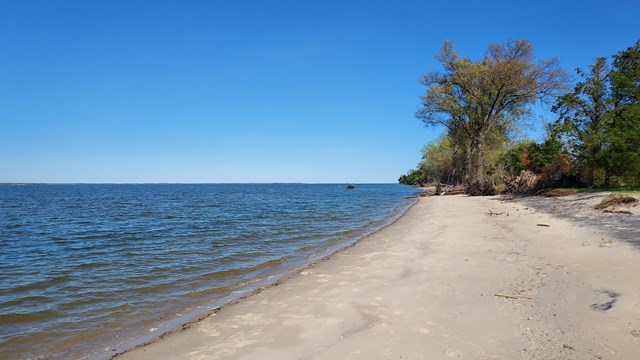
[601,119]
[471,99]
[585,113]
[625,91]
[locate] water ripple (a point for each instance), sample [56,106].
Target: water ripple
[84,267]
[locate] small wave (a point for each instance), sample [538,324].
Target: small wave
[154,289]
[163,249]
[41,284]
[13,226]
[207,292]
[18,318]
[87,300]
[90,265]
[113,309]
[242,271]
[22,301]
[94,236]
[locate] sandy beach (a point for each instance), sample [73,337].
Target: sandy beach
[455,277]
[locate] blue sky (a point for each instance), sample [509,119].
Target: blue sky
[251,91]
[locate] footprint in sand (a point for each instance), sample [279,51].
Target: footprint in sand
[354,355]
[606,300]
[212,330]
[452,353]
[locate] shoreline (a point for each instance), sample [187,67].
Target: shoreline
[185,321]
[447,272]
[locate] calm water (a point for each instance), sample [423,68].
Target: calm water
[87,269]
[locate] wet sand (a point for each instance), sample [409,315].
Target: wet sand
[455,277]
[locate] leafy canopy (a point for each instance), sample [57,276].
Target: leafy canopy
[471,99]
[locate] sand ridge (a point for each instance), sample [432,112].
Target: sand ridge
[455,277]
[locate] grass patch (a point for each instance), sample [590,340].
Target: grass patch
[634,190]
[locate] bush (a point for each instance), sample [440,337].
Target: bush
[559,172]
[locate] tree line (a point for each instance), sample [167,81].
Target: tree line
[486,105]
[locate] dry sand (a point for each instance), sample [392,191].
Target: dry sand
[456,277]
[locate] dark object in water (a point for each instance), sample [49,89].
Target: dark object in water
[350,186]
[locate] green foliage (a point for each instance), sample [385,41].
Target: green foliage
[413,177]
[585,115]
[517,157]
[600,120]
[438,165]
[531,156]
[439,159]
[625,130]
[596,138]
[477,100]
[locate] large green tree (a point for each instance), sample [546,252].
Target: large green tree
[625,93]
[601,119]
[585,114]
[473,99]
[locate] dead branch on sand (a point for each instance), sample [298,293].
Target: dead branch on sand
[511,296]
[491,213]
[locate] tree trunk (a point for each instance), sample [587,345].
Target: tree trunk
[468,176]
[476,184]
[608,174]
[592,175]
[476,161]
[480,160]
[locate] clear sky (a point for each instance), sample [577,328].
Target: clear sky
[251,91]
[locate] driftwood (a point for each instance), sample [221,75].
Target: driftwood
[525,182]
[511,296]
[428,191]
[491,213]
[444,189]
[619,212]
[481,189]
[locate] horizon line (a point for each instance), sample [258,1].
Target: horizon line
[194,183]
